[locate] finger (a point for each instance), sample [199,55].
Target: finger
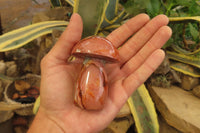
[121,34]
[142,73]
[119,93]
[156,42]
[62,49]
[133,45]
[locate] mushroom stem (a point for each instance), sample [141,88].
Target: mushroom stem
[87,59]
[91,89]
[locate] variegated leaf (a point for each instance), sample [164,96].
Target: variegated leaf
[183,19]
[183,51]
[191,60]
[143,111]
[112,14]
[55,3]
[185,69]
[92,13]
[71,2]
[22,36]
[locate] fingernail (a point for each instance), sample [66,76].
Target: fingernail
[73,16]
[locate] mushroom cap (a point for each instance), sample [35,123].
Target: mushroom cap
[96,47]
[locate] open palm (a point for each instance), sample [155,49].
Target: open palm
[140,56]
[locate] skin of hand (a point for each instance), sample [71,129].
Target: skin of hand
[139,39]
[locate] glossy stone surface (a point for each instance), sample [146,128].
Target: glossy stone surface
[96,47]
[91,90]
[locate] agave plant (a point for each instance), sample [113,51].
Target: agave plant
[104,16]
[184,20]
[186,60]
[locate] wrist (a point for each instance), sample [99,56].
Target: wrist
[42,123]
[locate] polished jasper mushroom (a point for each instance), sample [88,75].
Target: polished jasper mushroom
[92,88]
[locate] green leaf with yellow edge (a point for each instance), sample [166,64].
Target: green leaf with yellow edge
[112,14]
[143,111]
[20,37]
[92,13]
[55,3]
[191,60]
[112,27]
[183,51]
[71,2]
[185,69]
[193,31]
[101,34]
[183,19]
[116,19]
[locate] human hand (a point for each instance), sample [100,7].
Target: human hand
[140,56]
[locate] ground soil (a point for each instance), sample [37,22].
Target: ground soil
[19,13]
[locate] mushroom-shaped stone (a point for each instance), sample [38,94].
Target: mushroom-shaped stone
[91,89]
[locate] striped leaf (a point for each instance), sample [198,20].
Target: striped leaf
[112,27]
[22,36]
[143,111]
[116,19]
[185,69]
[112,14]
[71,2]
[183,19]
[55,3]
[192,30]
[191,60]
[183,51]
[92,13]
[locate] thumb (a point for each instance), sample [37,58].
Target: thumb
[62,49]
